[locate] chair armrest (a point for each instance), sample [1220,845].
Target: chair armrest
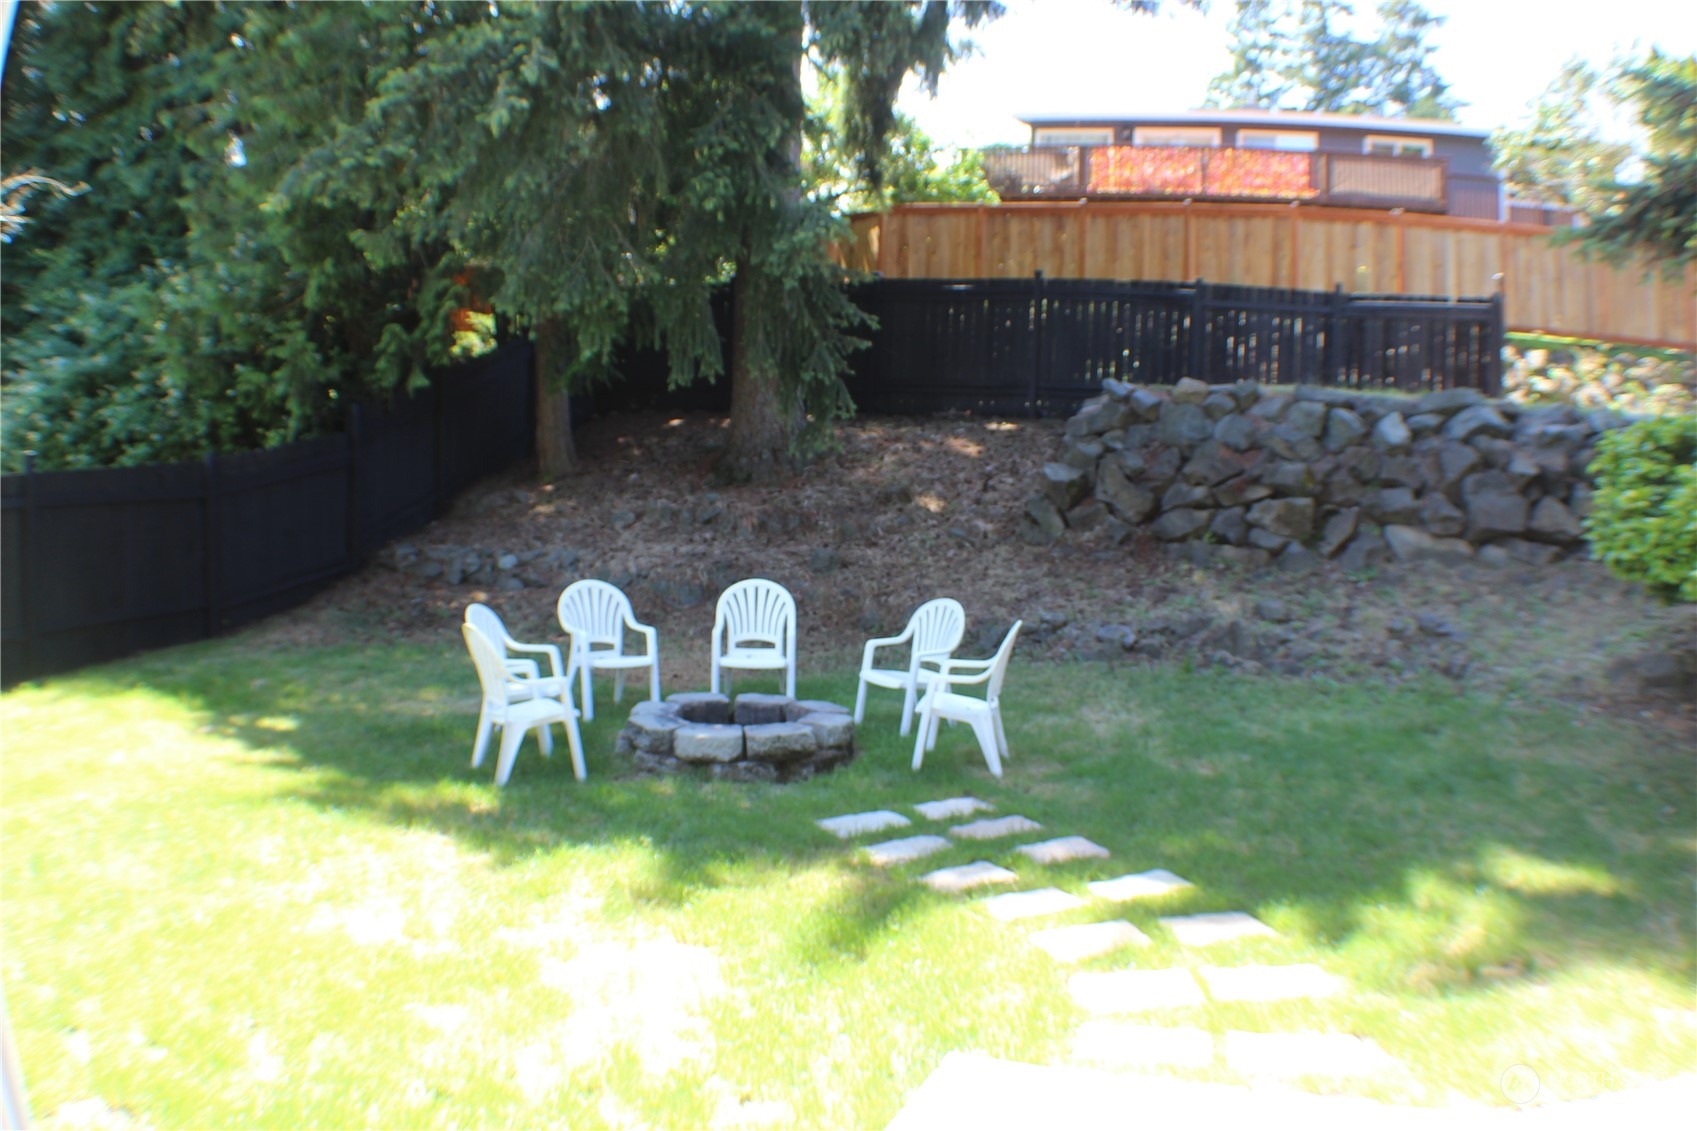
[523,669]
[649,634]
[552,651]
[946,673]
[878,642]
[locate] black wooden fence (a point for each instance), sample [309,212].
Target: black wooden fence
[98,564]
[1039,346]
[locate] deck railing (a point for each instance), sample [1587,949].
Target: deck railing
[1417,184]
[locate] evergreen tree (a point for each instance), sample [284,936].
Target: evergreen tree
[1299,55]
[1556,157]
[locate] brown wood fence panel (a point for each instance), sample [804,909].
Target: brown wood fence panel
[1545,286]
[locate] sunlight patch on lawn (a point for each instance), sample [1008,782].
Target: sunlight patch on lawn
[1519,871]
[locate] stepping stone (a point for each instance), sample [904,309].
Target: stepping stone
[1087,940]
[1305,1054]
[1217,927]
[952,807]
[976,874]
[1134,991]
[906,849]
[1029,904]
[992,827]
[1158,881]
[1269,983]
[1122,1043]
[1062,849]
[853,824]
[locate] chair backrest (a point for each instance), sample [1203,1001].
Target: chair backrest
[999,670]
[491,669]
[756,609]
[937,627]
[488,622]
[595,610]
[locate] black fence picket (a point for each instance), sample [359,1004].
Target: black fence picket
[102,563]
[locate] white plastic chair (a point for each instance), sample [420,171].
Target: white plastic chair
[488,622]
[514,716]
[754,629]
[932,634]
[941,701]
[595,616]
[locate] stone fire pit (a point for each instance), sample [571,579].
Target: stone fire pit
[757,738]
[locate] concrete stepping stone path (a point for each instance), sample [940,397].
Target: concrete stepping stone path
[1216,927]
[1062,849]
[1141,885]
[1134,991]
[1087,940]
[1269,983]
[907,849]
[952,807]
[967,876]
[1030,904]
[854,824]
[1124,1044]
[1305,1054]
[992,827]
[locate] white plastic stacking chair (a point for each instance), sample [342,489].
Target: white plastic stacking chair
[932,634]
[595,615]
[942,701]
[515,716]
[488,622]
[754,629]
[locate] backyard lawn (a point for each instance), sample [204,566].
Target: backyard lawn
[261,886]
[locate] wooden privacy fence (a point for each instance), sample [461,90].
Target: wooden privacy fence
[101,563]
[1039,345]
[1545,287]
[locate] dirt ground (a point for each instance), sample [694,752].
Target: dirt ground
[911,509]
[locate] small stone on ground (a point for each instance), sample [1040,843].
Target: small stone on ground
[908,848]
[1062,849]
[1125,1044]
[1134,991]
[952,807]
[1216,927]
[1087,940]
[853,824]
[993,827]
[1157,881]
[967,876]
[1269,983]
[1305,1054]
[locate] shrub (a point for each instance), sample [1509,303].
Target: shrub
[1643,521]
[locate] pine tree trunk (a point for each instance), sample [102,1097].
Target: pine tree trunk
[556,454]
[764,415]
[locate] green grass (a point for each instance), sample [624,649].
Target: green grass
[266,889]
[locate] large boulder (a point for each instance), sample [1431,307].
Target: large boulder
[1476,420]
[1131,502]
[1343,428]
[1551,521]
[1291,518]
[1391,434]
[1392,505]
[1064,485]
[706,742]
[1409,544]
[1495,514]
[1184,425]
[1177,525]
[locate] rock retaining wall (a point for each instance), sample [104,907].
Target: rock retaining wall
[1258,476]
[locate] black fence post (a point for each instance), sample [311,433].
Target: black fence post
[211,539]
[1331,359]
[28,558]
[353,431]
[1040,364]
[1494,343]
[1198,327]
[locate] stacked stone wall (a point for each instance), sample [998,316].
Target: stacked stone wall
[1259,475]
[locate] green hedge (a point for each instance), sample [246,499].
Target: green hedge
[1643,521]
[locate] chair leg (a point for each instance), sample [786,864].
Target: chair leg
[544,740]
[713,679]
[587,691]
[654,680]
[511,736]
[984,729]
[575,741]
[481,744]
[860,704]
[908,697]
[925,724]
[789,681]
[1001,736]
[618,685]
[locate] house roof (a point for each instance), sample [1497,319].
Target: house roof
[1424,127]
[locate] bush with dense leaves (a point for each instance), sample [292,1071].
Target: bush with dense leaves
[1643,523]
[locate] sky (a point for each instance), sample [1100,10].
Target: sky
[1088,57]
